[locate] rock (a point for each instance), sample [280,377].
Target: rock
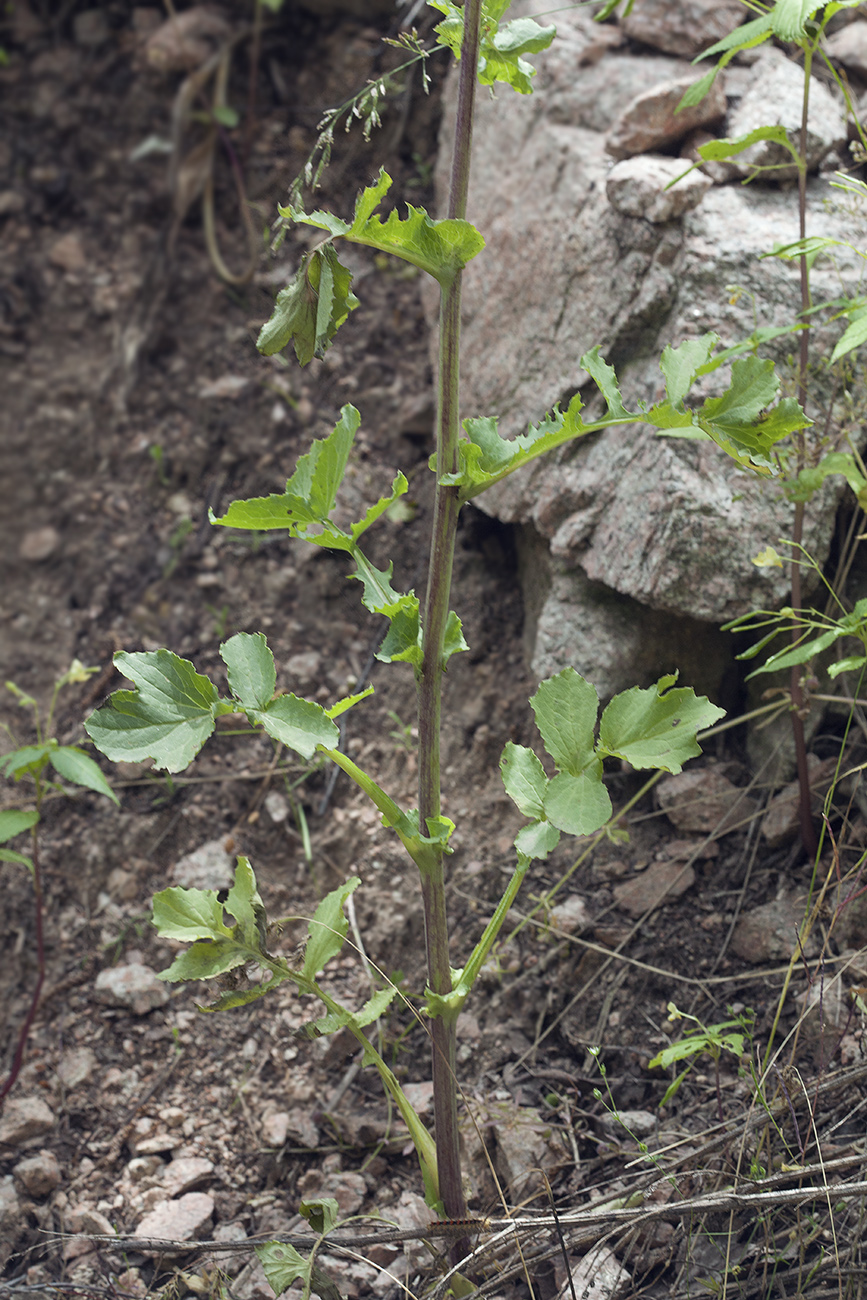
[141,1167]
[23,1120]
[39,1174]
[225,386]
[276,806]
[184,41]
[77,1066]
[639,1124]
[11,202]
[523,1149]
[186,1174]
[681,850]
[134,987]
[600,1276]
[420,1095]
[683,27]
[305,668]
[849,47]
[638,187]
[182,1220]
[621,533]
[775,98]
[660,883]
[703,799]
[84,1219]
[39,544]
[68,253]
[781,822]
[296,1126]
[210,866]
[90,28]
[770,932]
[650,120]
[570,916]
[11,1218]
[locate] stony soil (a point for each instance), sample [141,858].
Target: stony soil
[134,400]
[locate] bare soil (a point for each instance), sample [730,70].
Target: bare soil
[133,401]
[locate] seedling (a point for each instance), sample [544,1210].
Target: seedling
[728,1036]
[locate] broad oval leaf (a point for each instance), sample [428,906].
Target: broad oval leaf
[328,928]
[250,663]
[525,780]
[189,914]
[74,765]
[579,804]
[299,724]
[15,821]
[566,707]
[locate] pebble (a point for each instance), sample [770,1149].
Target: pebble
[660,883]
[186,1174]
[207,867]
[68,254]
[770,932]
[39,544]
[85,1219]
[38,1174]
[276,806]
[23,1120]
[11,1218]
[570,916]
[134,987]
[76,1067]
[704,800]
[180,1220]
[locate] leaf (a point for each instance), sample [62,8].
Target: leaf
[15,821]
[716,150]
[402,642]
[321,1213]
[244,902]
[606,380]
[656,727]
[853,337]
[441,248]
[373,1009]
[732,420]
[189,914]
[811,478]
[205,961]
[252,676]
[566,707]
[789,16]
[500,48]
[9,855]
[74,765]
[23,759]
[282,1265]
[578,804]
[453,637]
[680,365]
[524,779]
[167,718]
[312,307]
[299,724]
[537,840]
[328,928]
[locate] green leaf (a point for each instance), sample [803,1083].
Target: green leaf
[537,840]
[167,718]
[680,365]
[299,724]
[500,47]
[322,1213]
[578,804]
[328,928]
[205,961]
[21,860]
[226,116]
[252,676]
[740,38]
[656,727]
[441,248]
[606,381]
[788,18]
[695,93]
[716,150]
[853,664]
[15,821]
[373,1009]
[282,1265]
[189,914]
[566,707]
[402,642]
[734,420]
[244,902]
[524,779]
[312,307]
[853,337]
[74,765]
[453,637]
[24,759]
[348,702]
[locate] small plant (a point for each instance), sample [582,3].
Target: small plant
[45,765]
[700,1039]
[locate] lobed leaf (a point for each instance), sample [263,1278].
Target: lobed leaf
[168,717]
[656,727]
[312,307]
[501,47]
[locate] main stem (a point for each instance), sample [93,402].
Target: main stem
[435,618]
[805,817]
